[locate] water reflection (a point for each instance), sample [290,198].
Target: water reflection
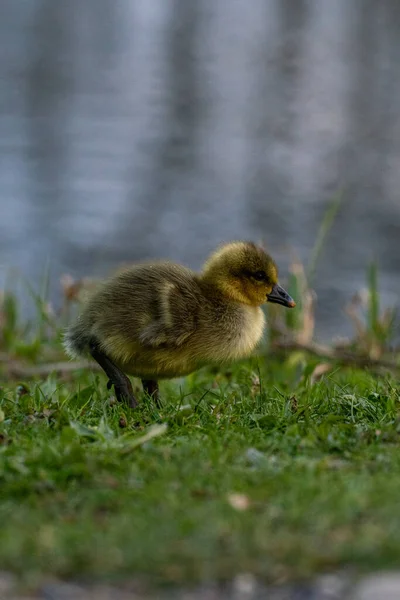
[161,127]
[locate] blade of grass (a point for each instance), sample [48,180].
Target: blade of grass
[322,234]
[373,305]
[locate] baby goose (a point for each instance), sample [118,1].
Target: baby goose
[162,320]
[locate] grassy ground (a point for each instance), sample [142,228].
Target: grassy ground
[255,470]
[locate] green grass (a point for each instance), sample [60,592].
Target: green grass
[88,488]
[256,469]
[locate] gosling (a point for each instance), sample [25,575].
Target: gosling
[162,320]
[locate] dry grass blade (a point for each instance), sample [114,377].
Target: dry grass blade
[338,355]
[374,328]
[320,370]
[76,290]
[15,369]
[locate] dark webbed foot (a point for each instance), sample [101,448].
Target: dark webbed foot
[150,386]
[124,392]
[118,379]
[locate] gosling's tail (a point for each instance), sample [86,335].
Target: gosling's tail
[76,340]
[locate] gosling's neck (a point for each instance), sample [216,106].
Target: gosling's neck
[218,286]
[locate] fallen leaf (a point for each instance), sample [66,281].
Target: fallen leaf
[239,502]
[152,433]
[199,493]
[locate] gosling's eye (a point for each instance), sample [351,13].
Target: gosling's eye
[260,276]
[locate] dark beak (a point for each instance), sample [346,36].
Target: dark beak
[279,296]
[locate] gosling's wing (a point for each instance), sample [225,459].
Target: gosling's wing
[175,317]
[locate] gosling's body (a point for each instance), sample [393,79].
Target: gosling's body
[172,325]
[162,320]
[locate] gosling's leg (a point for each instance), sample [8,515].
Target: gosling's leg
[122,385]
[150,386]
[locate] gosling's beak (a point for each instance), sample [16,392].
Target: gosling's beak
[280,296]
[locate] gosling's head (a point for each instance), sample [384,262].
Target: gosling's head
[245,273]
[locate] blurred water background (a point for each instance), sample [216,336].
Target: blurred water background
[140,128]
